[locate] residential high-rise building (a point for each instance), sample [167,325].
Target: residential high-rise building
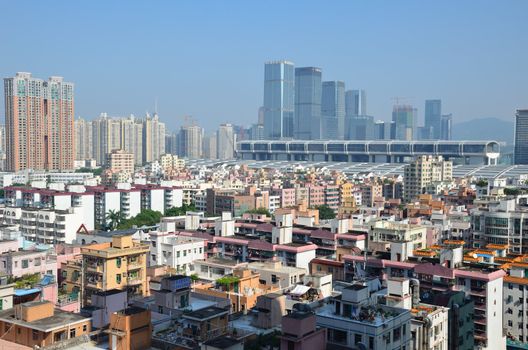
[520,153]
[225,142]
[278,109]
[209,146]
[446,126]
[153,138]
[333,110]
[106,134]
[2,139]
[132,138]
[190,142]
[355,102]
[404,117]
[83,139]
[307,122]
[39,123]
[433,117]
[171,143]
[424,171]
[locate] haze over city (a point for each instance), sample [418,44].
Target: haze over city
[206,58]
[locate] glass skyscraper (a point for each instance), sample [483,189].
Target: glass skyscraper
[433,117]
[520,153]
[278,99]
[445,127]
[333,110]
[307,123]
[355,103]
[404,117]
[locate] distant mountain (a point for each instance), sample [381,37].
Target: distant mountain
[484,129]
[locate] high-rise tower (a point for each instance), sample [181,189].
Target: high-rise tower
[307,122]
[433,117]
[278,99]
[333,110]
[39,123]
[520,153]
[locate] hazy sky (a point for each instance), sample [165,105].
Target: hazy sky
[206,58]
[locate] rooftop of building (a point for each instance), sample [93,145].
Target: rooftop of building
[60,319]
[220,261]
[108,292]
[223,342]
[22,253]
[272,266]
[109,234]
[132,310]
[371,315]
[205,313]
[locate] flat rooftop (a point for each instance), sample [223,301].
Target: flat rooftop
[59,320]
[222,342]
[205,313]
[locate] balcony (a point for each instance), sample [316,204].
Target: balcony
[134,281]
[95,268]
[94,284]
[135,265]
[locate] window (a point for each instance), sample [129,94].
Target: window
[160,309]
[510,323]
[37,261]
[177,254]
[72,333]
[85,328]
[371,343]
[118,262]
[35,335]
[396,334]
[184,253]
[118,278]
[25,264]
[357,338]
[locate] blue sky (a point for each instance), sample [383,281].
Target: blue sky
[205,58]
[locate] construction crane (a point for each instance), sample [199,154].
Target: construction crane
[398,99]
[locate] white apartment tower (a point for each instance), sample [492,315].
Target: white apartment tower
[424,171]
[83,139]
[153,138]
[190,142]
[132,138]
[225,142]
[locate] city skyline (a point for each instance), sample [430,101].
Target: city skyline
[386,65]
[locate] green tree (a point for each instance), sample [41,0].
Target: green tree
[325,212]
[482,183]
[147,217]
[177,211]
[114,218]
[96,171]
[512,191]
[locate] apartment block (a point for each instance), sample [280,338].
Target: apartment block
[121,264]
[424,171]
[39,123]
[39,324]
